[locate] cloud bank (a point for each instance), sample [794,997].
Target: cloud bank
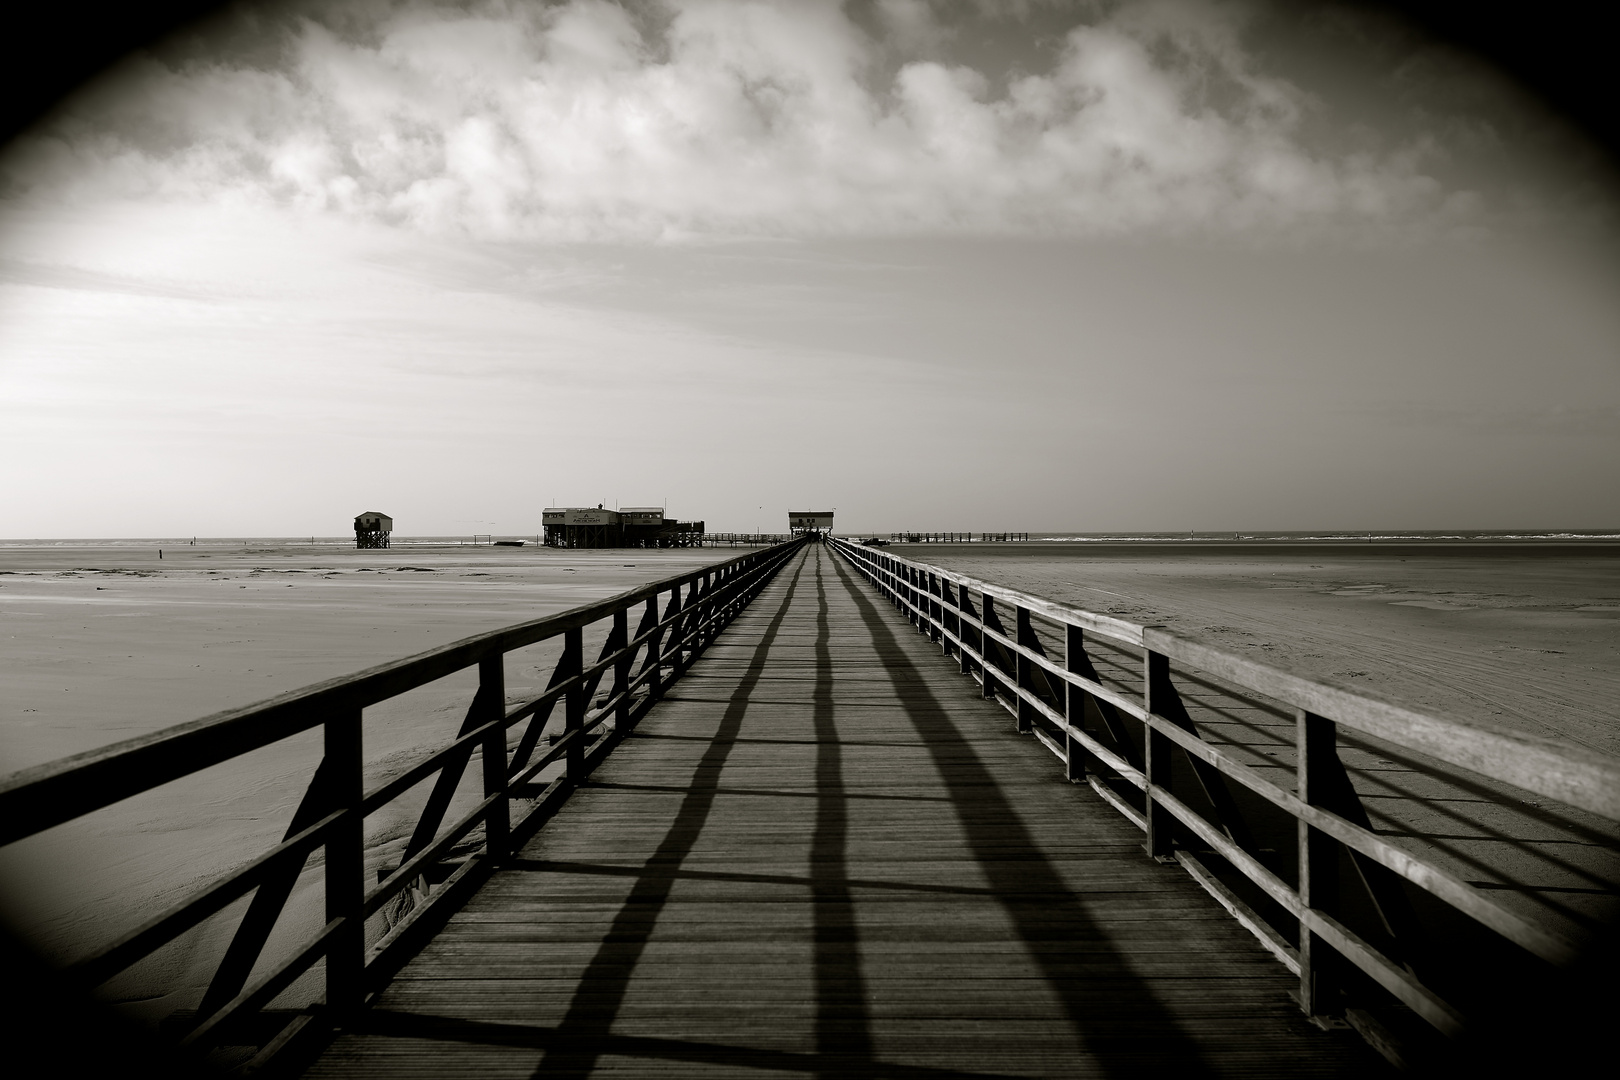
[591,120]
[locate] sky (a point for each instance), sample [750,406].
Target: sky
[970,265]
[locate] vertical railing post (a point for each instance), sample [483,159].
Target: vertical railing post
[711,584]
[711,607]
[987,616]
[936,610]
[574,702]
[653,643]
[492,693]
[675,614]
[1156,686]
[964,607]
[621,669]
[1074,703]
[950,618]
[1024,634]
[345,864]
[705,608]
[681,629]
[925,593]
[685,640]
[655,647]
[1318,863]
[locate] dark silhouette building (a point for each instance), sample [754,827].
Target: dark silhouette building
[371,530]
[631,526]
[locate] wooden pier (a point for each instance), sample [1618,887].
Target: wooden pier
[824,853]
[783,823]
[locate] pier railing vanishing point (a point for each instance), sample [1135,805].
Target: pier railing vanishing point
[1087,721]
[678,617]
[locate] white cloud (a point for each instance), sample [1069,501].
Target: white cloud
[585,121]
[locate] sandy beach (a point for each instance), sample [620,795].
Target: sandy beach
[102,644]
[1524,635]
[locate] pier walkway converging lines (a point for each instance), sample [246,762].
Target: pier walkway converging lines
[823,853]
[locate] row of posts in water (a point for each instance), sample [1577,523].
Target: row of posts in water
[956,537]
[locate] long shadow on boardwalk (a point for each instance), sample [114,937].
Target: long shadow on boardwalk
[843,1026]
[602,986]
[1044,912]
[1095,989]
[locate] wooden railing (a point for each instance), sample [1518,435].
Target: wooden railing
[638,666]
[1120,731]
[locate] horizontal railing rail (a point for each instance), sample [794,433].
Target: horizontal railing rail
[680,616]
[1052,697]
[735,538]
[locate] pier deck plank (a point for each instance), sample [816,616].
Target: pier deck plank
[824,854]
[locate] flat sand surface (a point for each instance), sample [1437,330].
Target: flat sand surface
[1526,636]
[98,645]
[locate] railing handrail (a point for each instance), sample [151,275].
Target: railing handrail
[36,798]
[1576,775]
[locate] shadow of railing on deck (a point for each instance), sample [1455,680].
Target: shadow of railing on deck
[637,667]
[1239,772]
[602,986]
[1111,1011]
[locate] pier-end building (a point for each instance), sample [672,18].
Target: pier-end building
[630,526]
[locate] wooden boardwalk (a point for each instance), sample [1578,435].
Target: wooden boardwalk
[825,855]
